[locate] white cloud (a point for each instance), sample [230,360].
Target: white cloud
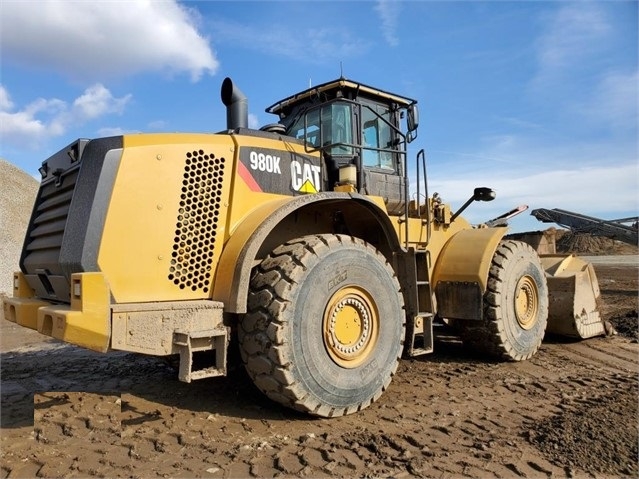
[593,188]
[596,178]
[597,191]
[93,40]
[47,118]
[388,11]
[97,101]
[571,34]
[578,69]
[571,30]
[5,102]
[18,126]
[614,102]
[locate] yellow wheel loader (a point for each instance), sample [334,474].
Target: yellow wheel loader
[299,239]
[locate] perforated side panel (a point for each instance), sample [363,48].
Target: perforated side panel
[197,220]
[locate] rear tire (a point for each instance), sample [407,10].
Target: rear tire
[515,305]
[325,325]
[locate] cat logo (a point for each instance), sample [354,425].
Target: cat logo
[305,178]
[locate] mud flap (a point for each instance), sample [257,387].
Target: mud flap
[574,297]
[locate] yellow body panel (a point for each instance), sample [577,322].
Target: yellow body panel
[246,212]
[136,250]
[144,204]
[467,256]
[244,200]
[439,235]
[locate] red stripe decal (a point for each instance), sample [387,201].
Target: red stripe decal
[245,174]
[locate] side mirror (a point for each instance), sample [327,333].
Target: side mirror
[480,194]
[412,118]
[483,194]
[412,122]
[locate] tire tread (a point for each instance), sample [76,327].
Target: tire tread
[490,336]
[262,337]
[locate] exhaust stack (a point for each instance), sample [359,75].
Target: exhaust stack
[236,105]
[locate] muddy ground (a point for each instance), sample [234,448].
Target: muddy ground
[570,411]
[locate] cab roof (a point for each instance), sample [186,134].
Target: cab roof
[334,86]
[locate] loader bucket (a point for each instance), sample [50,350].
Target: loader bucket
[573,297]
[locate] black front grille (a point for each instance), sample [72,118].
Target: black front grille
[46,231]
[68,215]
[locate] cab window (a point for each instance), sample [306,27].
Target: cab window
[341,129]
[307,127]
[376,136]
[328,126]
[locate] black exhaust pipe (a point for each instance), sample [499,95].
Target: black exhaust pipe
[236,105]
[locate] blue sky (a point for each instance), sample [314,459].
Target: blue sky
[537,100]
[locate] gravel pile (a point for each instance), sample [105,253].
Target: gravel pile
[17,194]
[585,243]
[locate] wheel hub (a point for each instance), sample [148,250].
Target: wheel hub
[526,302]
[350,327]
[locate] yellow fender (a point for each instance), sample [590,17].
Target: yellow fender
[230,274]
[461,271]
[233,273]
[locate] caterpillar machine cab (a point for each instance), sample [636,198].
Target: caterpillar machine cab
[299,239]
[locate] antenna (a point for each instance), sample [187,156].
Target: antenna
[341,70]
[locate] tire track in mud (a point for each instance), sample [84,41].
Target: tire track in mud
[604,356]
[559,378]
[477,419]
[446,414]
[595,391]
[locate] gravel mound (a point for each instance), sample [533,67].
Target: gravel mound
[18,190]
[585,243]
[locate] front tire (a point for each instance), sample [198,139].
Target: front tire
[515,305]
[325,325]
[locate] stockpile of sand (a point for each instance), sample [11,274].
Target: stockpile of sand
[585,243]
[17,194]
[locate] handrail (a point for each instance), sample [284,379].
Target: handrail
[421,155]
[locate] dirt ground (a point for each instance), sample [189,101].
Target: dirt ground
[570,411]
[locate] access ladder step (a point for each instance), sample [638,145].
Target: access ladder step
[421,335]
[202,353]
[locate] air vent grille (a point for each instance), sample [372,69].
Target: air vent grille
[197,221]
